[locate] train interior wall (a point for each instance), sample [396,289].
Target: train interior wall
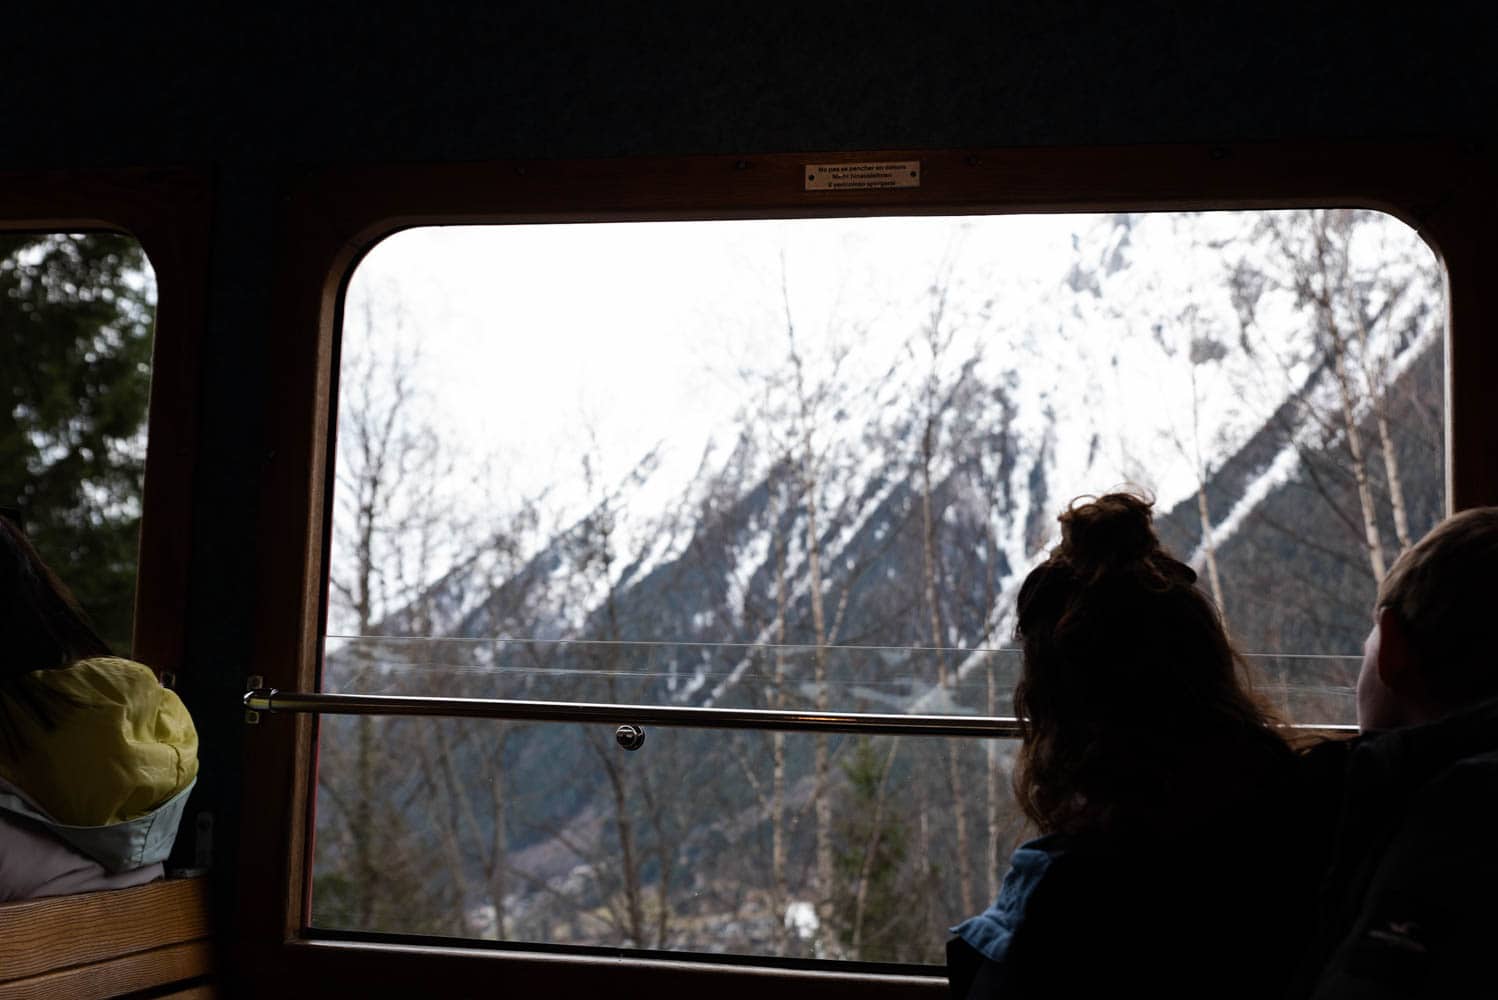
[254,95]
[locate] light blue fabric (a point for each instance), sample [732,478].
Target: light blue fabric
[990,932]
[119,847]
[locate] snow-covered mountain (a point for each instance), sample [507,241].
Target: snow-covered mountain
[1175,351]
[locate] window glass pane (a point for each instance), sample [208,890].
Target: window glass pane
[806,464]
[701,841]
[76,317]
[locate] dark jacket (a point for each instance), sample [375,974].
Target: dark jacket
[1408,906]
[1211,912]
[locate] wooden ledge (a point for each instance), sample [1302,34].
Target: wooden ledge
[82,943]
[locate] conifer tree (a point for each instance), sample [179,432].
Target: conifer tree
[76,314]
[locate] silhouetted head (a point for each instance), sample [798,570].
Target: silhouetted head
[1132,701]
[1431,651]
[41,628]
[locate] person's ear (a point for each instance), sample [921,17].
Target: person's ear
[1396,664]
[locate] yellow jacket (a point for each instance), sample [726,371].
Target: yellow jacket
[127,747]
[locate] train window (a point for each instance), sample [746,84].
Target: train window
[77,312]
[803,464]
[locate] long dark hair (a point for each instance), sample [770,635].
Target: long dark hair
[41,628]
[1136,712]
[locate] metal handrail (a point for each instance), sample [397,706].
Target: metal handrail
[271,700]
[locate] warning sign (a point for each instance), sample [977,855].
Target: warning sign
[861,176]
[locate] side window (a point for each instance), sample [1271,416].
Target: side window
[805,465]
[76,318]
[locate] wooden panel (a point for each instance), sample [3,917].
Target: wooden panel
[142,970]
[43,935]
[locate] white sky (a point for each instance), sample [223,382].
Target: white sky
[533,333]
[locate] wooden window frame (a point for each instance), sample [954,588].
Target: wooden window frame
[330,218]
[168,213]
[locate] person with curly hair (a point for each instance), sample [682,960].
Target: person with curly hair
[1165,795]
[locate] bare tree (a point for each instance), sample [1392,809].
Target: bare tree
[779,886]
[1197,349]
[797,405]
[390,511]
[779,463]
[1375,365]
[1337,313]
[795,464]
[1346,306]
[1315,283]
[807,404]
[936,339]
[641,818]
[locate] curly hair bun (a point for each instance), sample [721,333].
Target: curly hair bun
[1107,532]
